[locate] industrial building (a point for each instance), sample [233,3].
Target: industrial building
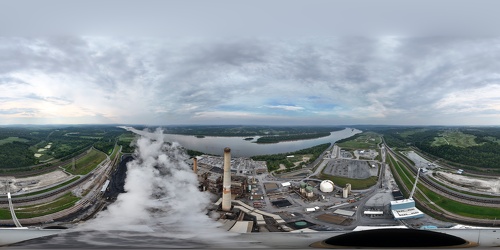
[405,209]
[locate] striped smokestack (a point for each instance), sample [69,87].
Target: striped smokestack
[226,184]
[195,165]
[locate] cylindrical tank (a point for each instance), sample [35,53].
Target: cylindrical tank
[303,187]
[326,186]
[348,186]
[345,193]
[309,191]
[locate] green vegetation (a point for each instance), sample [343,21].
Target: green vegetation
[280,138]
[115,151]
[12,139]
[15,155]
[463,147]
[411,132]
[458,208]
[18,145]
[105,146]
[125,140]
[273,161]
[86,163]
[5,214]
[365,140]
[454,138]
[355,183]
[249,131]
[64,202]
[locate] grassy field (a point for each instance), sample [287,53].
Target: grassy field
[12,139]
[462,209]
[368,140]
[86,163]
[5,214]
[115,151]
[126,137]
[454,138]
[64,202]
[355,183]
[493,139]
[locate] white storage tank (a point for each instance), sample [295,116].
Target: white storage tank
[326,186]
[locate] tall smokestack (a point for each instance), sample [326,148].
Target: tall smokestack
[226,184]
[195,165]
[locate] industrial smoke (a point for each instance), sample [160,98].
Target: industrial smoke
[161,193]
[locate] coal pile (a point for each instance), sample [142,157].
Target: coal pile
[117,182]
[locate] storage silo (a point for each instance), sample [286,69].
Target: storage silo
[309,191]
[348,186]
[302,187]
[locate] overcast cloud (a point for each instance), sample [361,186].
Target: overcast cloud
[386,74]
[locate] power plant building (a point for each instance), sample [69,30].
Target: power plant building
[405,209]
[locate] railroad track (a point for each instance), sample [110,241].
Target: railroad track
[57,191]
[434,185]
[48,194]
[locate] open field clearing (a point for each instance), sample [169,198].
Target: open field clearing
[368,140]
[471,183]
[454,138]
[12,139]
[355,183]
[33,182]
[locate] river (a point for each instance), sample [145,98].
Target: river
[242,148]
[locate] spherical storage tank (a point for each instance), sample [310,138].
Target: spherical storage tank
[326,186]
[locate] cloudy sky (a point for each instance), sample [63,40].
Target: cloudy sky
[167,63]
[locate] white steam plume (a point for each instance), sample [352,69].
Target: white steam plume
[161,193]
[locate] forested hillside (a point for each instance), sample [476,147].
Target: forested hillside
[469,146]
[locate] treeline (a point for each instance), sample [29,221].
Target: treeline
[107,143]
[280,138]
[66,142]
[15,155]
[248,131]
[484,155]
[273,161]
[354,137]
